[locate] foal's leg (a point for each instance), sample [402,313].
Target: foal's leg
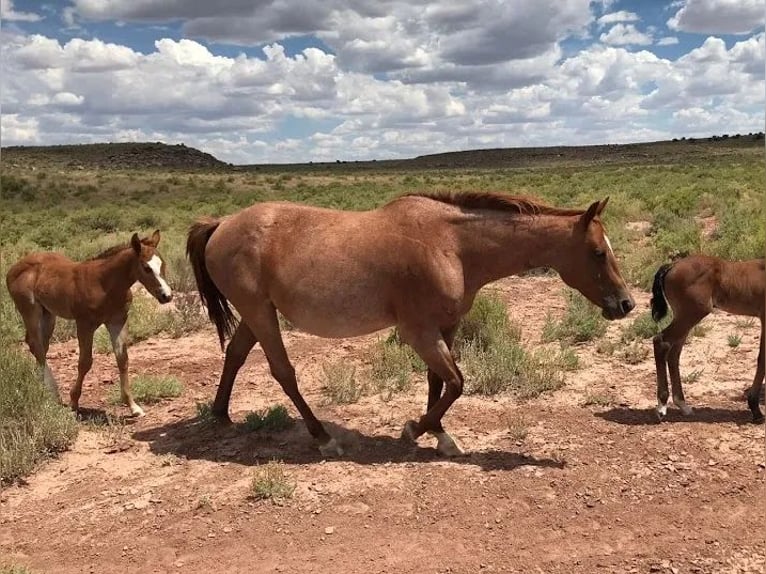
[237,350]
[753,395]
[85,362]
[38,324]
[118,333]
[264,325]
[674,366]
[433,349]
[667,346]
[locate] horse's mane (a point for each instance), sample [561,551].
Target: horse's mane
[518,204]
[107,253]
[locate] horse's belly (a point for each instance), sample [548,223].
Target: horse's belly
[337,319]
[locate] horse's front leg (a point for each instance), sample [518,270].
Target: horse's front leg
[118,333]
[434,350]
[754,394]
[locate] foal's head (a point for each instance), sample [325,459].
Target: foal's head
[150,268]
[591,266]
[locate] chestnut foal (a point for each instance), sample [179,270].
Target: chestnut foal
[694,286]
[94,292]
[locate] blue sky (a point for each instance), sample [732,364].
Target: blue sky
[303,80]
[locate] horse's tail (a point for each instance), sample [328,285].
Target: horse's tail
[658,302]
[218,308]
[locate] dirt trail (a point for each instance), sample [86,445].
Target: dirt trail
[550,485]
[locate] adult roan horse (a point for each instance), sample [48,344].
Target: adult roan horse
[416,263]
[694,286]
[47,285]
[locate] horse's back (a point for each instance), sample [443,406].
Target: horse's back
[331,272]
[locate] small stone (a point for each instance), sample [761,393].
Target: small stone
[329,530]
[227,529]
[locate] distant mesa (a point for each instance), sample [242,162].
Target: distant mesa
[113,156]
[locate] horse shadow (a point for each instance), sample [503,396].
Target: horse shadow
[202,440]
[709,415]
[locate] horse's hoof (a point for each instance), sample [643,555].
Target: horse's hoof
[661,411]
[409,432]
[137,412]
[331,448]
[447,446]
[685,409]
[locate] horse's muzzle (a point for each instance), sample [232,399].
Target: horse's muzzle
[619,310]
[163,298]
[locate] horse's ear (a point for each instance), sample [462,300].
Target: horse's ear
[590,213]
[602,205]
[156,237]
[135,243]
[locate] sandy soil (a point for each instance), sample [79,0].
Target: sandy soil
[588,488]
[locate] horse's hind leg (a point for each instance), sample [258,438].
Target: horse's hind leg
[38,326]
[753,395]
[118,333]
[84,363]
[667,351]
[674,361]
[47,325]
[239,347]
[263,322]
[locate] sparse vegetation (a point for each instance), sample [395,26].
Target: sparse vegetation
[273,419]
[393,365]
[205,413]
[598,399]
[643,327]
[582,321]
[148,389]
[691,377]
[339,383]
[271,482]
[734,340]
[634,352]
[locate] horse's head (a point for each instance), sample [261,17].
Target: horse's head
[150,268]
[591,266]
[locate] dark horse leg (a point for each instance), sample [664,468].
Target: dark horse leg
[435,383]
[753,395]
[433,349]
[237,350]
[667,352]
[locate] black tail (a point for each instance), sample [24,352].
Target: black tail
[658,303]
[218,308]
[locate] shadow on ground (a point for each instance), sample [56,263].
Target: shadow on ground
[196,439]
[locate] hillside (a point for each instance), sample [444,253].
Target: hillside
[112,156]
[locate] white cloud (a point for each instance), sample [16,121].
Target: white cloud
[7,12]
[621,16]
[667,41]
[430,96]
[719,16]
[625,34]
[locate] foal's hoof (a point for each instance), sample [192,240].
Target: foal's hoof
[331,448]
[447,446]
[137,411]
[409,432]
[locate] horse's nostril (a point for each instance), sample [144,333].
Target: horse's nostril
[627,305]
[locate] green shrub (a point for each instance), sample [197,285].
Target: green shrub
[148,389]
[582,321]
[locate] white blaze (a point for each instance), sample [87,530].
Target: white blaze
[155,264]
[608,244]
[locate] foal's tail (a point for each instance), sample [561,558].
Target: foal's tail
[658,302]
[218,308]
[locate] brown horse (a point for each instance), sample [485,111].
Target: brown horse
[416,262]
[94,292]
[694,286]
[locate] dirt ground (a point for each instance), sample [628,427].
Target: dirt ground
[589,488]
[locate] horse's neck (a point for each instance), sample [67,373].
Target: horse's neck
[116,272]
[494,248]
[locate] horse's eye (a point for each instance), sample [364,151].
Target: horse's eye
[145,267]
[600,253]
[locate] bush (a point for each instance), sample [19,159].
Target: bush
[149,389]
[393,364]
[339,383]
[581,322]
[485,324]
[32,425]
[274,418]
[271,482]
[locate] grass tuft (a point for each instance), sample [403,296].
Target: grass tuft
[148,389]
[275,418]
[582,321]
[271,482]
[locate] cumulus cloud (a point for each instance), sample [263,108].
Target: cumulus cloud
[625,34]
[667,41]
[621,16]
[392,79]
[719,16]
[8,13]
